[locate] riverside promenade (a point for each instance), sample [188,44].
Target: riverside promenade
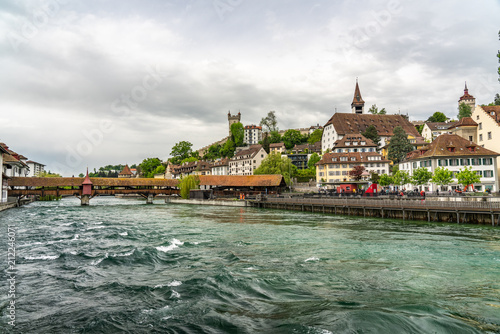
[461,210]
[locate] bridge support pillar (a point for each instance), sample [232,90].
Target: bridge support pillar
[150,198]
[85,200]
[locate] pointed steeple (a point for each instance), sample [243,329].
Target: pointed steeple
[357,104]
[467,98]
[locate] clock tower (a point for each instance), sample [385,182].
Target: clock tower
[357,105]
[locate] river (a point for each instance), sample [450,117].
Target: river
[121,266]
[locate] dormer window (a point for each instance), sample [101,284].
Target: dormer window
[451,149]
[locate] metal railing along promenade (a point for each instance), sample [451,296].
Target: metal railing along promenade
[423,204]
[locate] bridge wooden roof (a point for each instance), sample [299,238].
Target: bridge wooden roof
[96,181]
[205,180]
[242,180]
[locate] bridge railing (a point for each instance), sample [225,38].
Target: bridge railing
[381,203]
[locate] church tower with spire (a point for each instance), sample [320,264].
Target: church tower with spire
[357,105]
[467,99]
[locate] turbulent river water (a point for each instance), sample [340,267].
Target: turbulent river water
[121,266]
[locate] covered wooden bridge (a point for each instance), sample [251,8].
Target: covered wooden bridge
[87,188]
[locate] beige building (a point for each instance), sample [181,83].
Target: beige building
[246,161]
[432,130]
[334,167]
[465,128]
[277,148]
[454,153]
[488,127]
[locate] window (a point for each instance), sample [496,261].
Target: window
[489,135]
[480,136]
[480,126]
[477,117]
[470,138]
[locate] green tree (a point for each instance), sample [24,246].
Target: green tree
[148,166]
[442,176]
[48,174]
[401,178]
[228,149]
[213,152]
[385,180]
[374,110]
[274,163]
[190,159]
[467,176]
[399,145]
[274,137]
[187,183]
[237,133]
[374,177]
[464,110]
[356,172]
[497,100]
[315,136]
[313,159]
[371,133]
[81,175]
[437,117]
[498,55]
[421,176]
[291,138]
[269,123]
[180,151]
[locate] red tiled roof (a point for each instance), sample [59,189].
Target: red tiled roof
[276,145]
[465,121]
[125,171]
[466,95]
[493,111]
[354,137]
[440,147]
[346,123]
[250,151]
[242,180]
[435,126]
[357,99]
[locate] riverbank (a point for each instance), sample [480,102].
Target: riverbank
[10,205]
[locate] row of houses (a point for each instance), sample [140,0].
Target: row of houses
[471,141]
[15,165]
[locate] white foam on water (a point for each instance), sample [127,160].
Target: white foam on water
[174,283]
[42,257]
[124,254]
[75,237]
[174,244]
[123,234]
[96,262]
[175,294]
[311,259]
[95,227]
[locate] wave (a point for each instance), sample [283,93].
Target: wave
[174,244]
[42,257]
[312,259]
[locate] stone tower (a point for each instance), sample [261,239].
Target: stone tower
[233,119]
[357,105]
[467,99]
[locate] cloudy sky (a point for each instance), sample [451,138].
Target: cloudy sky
[91,83]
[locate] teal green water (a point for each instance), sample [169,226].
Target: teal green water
[121,266]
